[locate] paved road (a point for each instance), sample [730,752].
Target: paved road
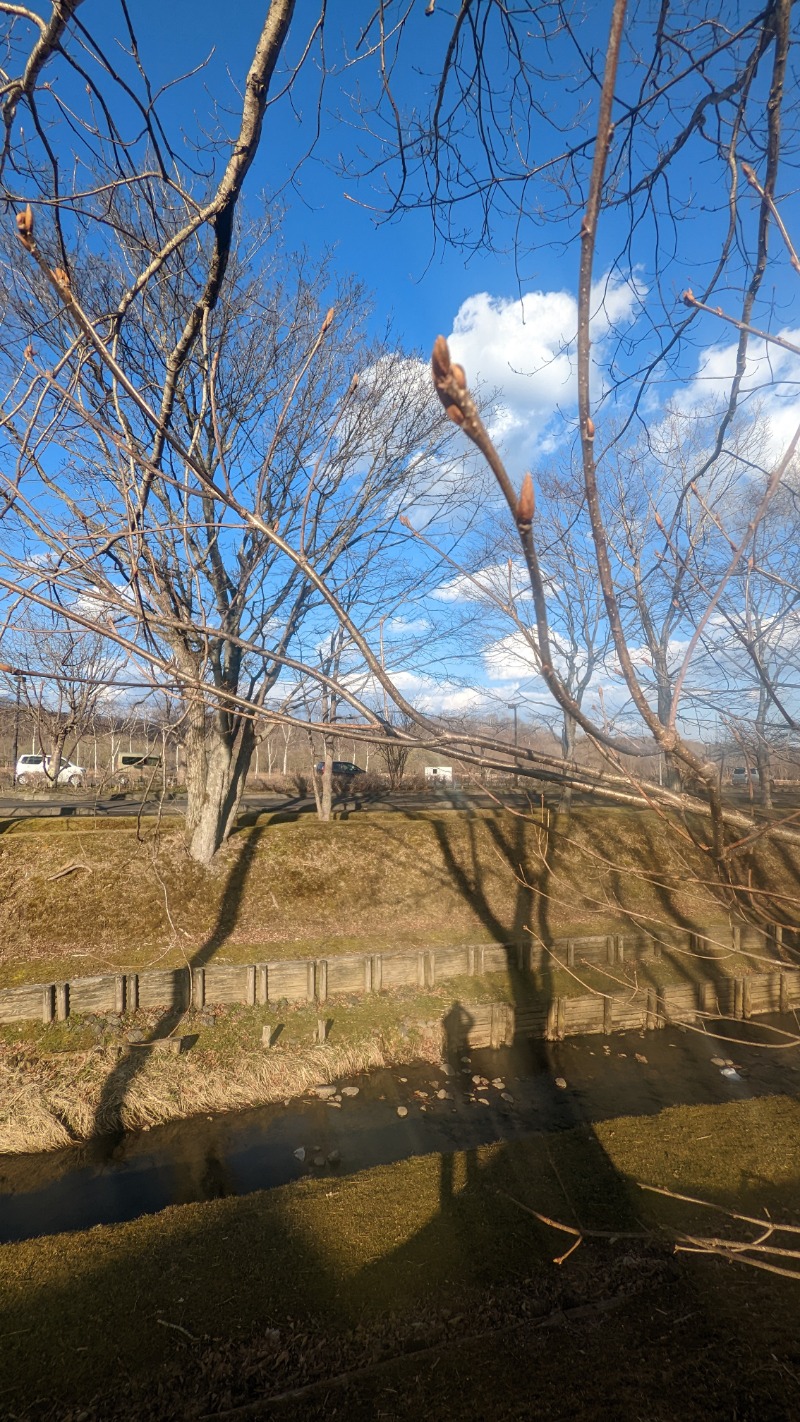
[24,805]
[31,807]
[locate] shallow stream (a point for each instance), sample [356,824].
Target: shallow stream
[396,1113]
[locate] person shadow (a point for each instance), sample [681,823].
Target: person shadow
[456,1027]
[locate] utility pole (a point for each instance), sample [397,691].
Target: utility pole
[15,672]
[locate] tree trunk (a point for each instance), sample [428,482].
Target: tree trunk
[326,802]
[218,756]
[764,768]
[568,730]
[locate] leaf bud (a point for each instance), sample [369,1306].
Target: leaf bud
[526,503]
[25,227]
[440,360]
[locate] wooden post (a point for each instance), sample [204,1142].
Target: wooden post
[561,1018]
[48,1002]
[263,983]
[421,974]
[608,1015]
[62,1001]
[198,988]
[620,947]
[747,998]
[250,986]
[570,952]
[784,993]
[551,1027]
[119,993]
[323,1028]
[377,972]
[777,938]
[737,938]
[611,948]
[430,963]
[651,1019]
[131,992]
[311,980]
[367,973]
[738,997]
[266,1035]
[321,979]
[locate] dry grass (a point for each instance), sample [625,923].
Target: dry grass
[51,1099]
[285,889]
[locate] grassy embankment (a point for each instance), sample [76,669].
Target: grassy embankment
[280,889]
[378,881]
[205,1307]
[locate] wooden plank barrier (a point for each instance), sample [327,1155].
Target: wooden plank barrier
[318,979]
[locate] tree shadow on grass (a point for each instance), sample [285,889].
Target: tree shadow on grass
[108,1120]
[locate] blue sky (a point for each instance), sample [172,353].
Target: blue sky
[522,348]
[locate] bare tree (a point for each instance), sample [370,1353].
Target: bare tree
[64,676]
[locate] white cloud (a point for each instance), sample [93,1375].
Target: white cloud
[524,350]
[772,377]
[498,580]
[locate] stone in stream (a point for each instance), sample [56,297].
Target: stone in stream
[350,1091]
[300,1153]
[402,1110]
[444,1095]
[499,1084]
[319,1161]
[506,1095]
[325,1093]
[334,1157]
[718,1061]
[561,1083]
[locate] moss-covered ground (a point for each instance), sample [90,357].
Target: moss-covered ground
[207,1307]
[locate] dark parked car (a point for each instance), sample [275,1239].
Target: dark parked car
[340,767]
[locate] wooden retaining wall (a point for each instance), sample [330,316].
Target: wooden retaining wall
[496,1024]
[317,979]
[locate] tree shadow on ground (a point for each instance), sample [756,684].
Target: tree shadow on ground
[109,1113]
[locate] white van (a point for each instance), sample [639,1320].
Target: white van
[31,771]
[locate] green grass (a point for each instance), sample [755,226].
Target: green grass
[329,1256]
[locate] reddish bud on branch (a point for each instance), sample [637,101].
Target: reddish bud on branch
[328,320]
[689,298]
[453,413]
[459,375]
[440,360]
[526,503]
[589,427]
[62,277]
[25,227]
